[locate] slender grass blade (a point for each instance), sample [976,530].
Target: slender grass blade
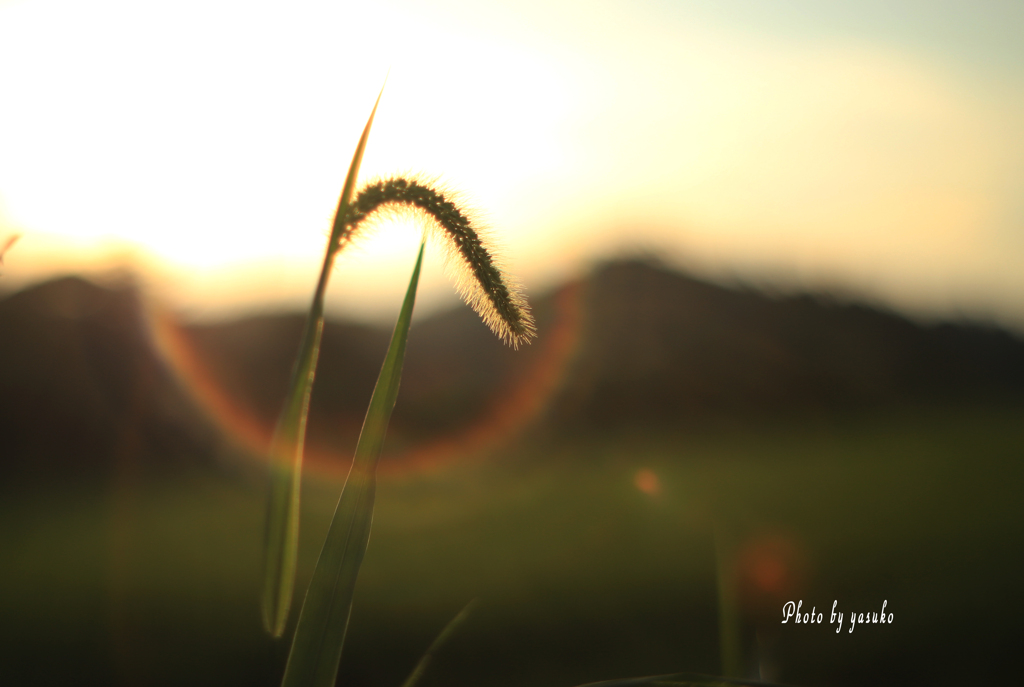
[281,543]
[729,642]
[323,620]
[428,655]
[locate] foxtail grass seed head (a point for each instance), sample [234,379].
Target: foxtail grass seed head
[479,279]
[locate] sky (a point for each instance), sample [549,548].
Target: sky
[874,149]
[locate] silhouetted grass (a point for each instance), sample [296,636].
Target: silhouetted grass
[323,621]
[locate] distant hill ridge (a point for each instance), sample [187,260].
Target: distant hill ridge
[631,344]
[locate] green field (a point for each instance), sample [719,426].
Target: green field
[580,575]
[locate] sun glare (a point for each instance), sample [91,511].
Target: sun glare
[214,136]
[202,137]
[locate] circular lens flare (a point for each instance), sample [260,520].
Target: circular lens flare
[511,410]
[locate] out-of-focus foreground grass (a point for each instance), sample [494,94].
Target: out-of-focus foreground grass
[592,559]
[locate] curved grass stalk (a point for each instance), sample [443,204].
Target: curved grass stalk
[446,633]
[323,621]
[492,295]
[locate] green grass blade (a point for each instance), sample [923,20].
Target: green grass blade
[729,640]
[447,632]
[323,620]
[281,543]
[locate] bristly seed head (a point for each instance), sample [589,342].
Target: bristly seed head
[494,297]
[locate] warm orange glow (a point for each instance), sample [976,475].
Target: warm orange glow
[771,567]
[513,410]
[203,139]
[232,417]
[647,481]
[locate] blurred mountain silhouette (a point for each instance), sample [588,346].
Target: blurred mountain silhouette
[663,347]
[632,344]
[83,388]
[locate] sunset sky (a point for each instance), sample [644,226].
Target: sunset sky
[874,148]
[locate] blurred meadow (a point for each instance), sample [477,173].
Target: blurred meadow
[773,250]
